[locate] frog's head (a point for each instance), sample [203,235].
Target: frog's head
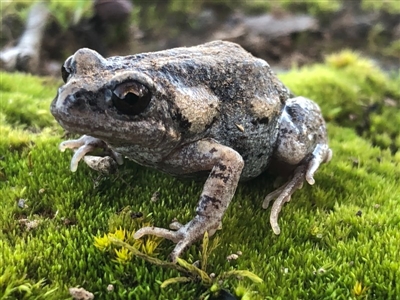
[113,101]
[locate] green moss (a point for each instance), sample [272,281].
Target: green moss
[339,239]
[24,100]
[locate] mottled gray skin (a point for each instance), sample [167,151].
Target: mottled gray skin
[213,109]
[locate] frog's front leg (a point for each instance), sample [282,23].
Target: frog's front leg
[302,143]
[226,166]
[84,145]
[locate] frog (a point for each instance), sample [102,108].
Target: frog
[212,112]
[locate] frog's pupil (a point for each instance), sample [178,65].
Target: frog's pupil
[130,103]
[131,99]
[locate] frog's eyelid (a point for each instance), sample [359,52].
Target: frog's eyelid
[132,86]
[134,76]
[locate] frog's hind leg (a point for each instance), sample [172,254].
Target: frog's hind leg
[224,166]
[302,142]
[302,172]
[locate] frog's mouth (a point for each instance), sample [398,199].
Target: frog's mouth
[144,132]
[78,122]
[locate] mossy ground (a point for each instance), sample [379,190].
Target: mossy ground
[340,238]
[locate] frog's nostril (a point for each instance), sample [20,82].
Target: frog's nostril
[108,97]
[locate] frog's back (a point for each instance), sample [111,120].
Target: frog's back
[226,68]
[250,97]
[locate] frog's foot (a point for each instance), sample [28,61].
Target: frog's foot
[86,144]
[303,172]
[185,235]
[283,195]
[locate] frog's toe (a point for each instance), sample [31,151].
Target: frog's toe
[83,146]
[321,154]
[178,250]
[185,235]
[84,140]
[78,155]
[283,195]
[182,240]
[174,236]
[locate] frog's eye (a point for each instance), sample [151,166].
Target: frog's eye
[64,74]
[131,98]
[65,69]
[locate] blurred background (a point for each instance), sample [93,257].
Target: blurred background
[37,36]
[346,239]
